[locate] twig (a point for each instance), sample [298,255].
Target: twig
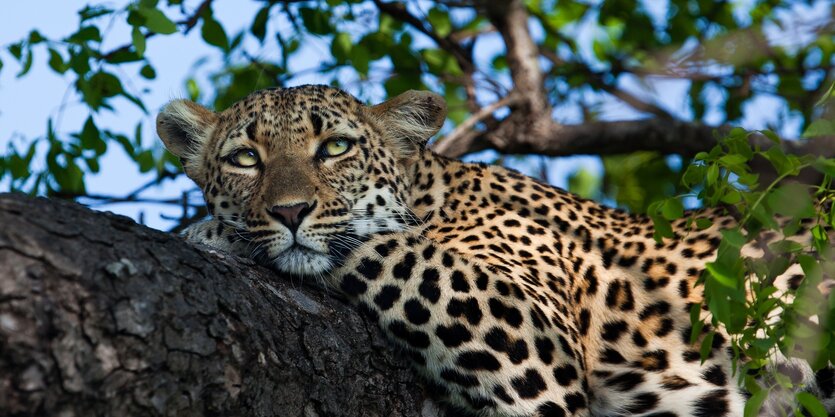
[443,146]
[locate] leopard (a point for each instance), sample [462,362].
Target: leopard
[508,296]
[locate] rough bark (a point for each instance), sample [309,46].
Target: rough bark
[101,316]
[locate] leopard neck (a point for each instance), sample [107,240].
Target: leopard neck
[430,180]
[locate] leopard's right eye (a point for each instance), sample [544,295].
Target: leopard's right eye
[244,158]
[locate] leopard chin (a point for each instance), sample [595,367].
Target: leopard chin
[301,261]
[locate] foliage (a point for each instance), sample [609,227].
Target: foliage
[741,291]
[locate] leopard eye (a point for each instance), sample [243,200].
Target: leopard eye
[244,158]
[335,147]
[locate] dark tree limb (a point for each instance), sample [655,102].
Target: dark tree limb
[102,317]
[612,138]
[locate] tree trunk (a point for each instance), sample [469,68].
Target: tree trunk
[100,316]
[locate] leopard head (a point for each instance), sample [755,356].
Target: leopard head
[304,174]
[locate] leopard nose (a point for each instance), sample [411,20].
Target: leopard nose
[291,216]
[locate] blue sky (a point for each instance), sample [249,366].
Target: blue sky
[26,103]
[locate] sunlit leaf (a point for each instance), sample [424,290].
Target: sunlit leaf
[811,404]
[753,405]
[138,41]
[820,127]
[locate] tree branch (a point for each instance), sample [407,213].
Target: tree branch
[452,143]
[612,138]
[100,316]
[510,18]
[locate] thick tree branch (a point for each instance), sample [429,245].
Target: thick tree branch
[610,138]
[102,317]
[510,18]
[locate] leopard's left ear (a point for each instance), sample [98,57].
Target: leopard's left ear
[411,118]
[184,127]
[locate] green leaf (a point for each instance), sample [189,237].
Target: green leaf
[92,12]
[148,72]
[316,21]
[137,135]
[16,49]
[70,179]
[440,22]
[122,56]
[18,166]
[721,274]
[811,404]
[56,62]
[826,166]
[108,84]
[753,405]
[731,197]
[90,137]
[35,37]
[440,62]
[138,41]
[771,136]
[360,59]
[707,345]
[819,127]
[733,160]
[85,34]
[734,238]
[584,183]
[792,200]
[145,159]
[703,223]
[27,63]
[341,46]
[829,93]
[214,34]
[98,88]
[80,62]
[672,209]
[259,24]
[781,162]
[157,22]
[698,325]
[193,89]
[92,164]
[712,174]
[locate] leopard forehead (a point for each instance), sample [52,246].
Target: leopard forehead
[291,114]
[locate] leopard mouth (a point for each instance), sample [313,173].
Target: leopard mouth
[302,260]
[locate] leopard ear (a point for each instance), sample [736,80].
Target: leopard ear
[184,127]
[411,118]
